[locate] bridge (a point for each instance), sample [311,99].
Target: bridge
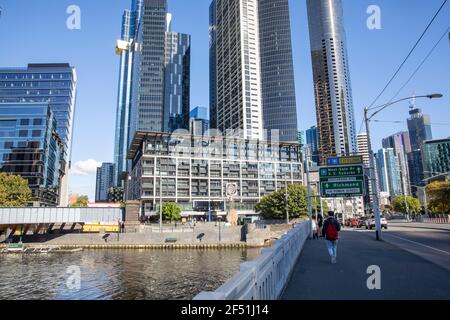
[413,262]
[40,218]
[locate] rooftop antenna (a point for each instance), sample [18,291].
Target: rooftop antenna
[412,102]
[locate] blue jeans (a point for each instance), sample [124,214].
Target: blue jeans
[332,248]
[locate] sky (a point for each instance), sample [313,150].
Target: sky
[33,31]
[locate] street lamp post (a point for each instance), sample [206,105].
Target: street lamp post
[160,199]
[367,118]
[308,181]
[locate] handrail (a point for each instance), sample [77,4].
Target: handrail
[266,277]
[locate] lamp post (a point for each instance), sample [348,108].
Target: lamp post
[367,118]
[308,181]
[160,199]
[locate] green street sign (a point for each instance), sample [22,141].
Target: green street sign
[344,171]
[343,189]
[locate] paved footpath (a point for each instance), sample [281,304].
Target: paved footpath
[403,274]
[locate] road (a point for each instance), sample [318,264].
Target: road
[406,271]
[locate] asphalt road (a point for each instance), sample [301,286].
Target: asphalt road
[404,275]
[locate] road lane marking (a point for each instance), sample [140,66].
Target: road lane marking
[420,244]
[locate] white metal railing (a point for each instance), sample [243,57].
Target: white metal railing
[266,277]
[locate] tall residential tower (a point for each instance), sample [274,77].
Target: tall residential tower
[332,87]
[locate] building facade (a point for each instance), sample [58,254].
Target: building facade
[53,84]
[312,140]
[30,147]
[419,127]
[332,86]
[388,172]
[436,157]
[199,121]
[104,181]
[177,81]
[190,169]
[236,59]
[279,105]
[402,146]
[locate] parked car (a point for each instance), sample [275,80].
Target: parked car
[370,223]
[362,222]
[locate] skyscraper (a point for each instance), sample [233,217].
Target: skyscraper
[177,81]
[252,84]
[236,59]
[277,69]
[436,157]
[125,49]
[52,83]
[332,87]
[104,181]
[154,81]
[31,148]
[363,148]
[312,140]
[400,143]
[388,172]
[199,121]
[419,127]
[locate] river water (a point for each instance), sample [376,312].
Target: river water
[118,274]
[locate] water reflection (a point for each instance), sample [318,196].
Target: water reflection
[120,274]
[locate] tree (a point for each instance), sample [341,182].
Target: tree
[14,191]
[439,194]
[413,205]
[171,211]
[82,202]
[273,206]
[315,203]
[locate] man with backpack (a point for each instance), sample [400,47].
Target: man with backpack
[330,232]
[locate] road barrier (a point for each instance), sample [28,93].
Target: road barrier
[441,219]
[266,277]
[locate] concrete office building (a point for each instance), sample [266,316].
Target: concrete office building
[192,170]
[332,86]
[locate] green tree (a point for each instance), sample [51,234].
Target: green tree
[171,211]
[439,196]
[82,202]
[413,205]
[316,204]
[273,206]
[14,191]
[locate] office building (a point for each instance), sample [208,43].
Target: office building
[199,121]
[279,105]
[191,169]
[236,82]
[332,86]
[419,127]
[30,147]
[104,181]
[301,138]
[154,85]
[436,158]
[388,172]
[402,146]
[54,84]
[312,140]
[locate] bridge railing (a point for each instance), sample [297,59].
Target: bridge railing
[266,277]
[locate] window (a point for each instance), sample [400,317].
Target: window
[36,133]
[23,133]
[37,122]
[24,122]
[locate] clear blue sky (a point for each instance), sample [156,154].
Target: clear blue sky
[35,31]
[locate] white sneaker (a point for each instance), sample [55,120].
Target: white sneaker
[333,260]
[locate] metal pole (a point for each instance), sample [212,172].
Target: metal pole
[160,199]
[287,209]
[308,181]
[376,209]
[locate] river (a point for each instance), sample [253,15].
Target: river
[118,274]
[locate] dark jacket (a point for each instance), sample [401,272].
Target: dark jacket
[320,221]
[327,223]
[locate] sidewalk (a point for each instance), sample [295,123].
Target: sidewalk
[403,275]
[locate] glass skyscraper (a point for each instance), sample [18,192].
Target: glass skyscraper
[277,69]
[312,139]
[154,84]
[104,181]
[332,86]
[54,84]
[199,121]
[436,157]
[388,172]
[30,147]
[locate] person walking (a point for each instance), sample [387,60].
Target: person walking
[330,232]
[319,224]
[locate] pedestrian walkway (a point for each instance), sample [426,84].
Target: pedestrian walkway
[403,275]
